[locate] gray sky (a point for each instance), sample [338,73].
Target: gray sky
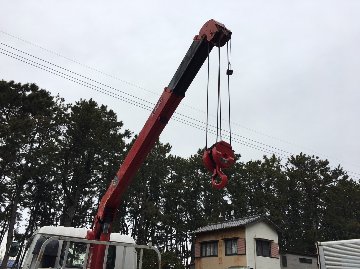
[296,64]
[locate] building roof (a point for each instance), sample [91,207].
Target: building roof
[232,223]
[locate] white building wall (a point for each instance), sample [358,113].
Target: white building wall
[260,231]
[293,262]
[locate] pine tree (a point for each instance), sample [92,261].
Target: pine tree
[92,143]
[28,129]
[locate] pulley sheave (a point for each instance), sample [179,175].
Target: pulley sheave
[219,156]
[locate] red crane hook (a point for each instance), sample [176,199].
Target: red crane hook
[219,156]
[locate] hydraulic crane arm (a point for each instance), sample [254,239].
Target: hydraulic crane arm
[211,34]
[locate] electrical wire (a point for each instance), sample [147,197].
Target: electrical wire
[75,80]
[72,72]
[132,102]
[123,81]
[117,96]
[155,93]
[140,99]
[76,62]
[112,76]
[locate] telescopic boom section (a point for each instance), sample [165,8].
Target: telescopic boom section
[211,34]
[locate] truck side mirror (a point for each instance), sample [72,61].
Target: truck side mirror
[14,249]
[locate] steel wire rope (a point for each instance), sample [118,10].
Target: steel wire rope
[101,90]
[201,128]
[80,82]
[70,71]
[207,96]
[124,81]
[76,62]
[218,110]
[121,80]
[152,92]
[229,73]
[109,93]
[143,100]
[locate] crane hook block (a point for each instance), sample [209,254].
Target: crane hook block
[219,156]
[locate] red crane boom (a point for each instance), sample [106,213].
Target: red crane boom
[211,34]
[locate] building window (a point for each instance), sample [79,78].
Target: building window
[209,249]
[231,246]
[263,248]
[305,260]
[284,261]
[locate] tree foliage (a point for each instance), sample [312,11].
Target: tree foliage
[92,144]
[29,131]
[56,161]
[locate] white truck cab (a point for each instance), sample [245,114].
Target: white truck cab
[67,247]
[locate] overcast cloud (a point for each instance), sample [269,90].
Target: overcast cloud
[296,66]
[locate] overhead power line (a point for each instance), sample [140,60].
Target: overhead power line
[139,102]
[137,86]
[155,93]
[74,61]
[124,99]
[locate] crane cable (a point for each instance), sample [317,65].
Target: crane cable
[83,82]
[218,110]
[262,147]
[229,72]
[207,97]
[152,92]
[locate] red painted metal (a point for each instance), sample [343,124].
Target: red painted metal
[148,136]
[214,32]
[219,156]
[211,34]
[223,154]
